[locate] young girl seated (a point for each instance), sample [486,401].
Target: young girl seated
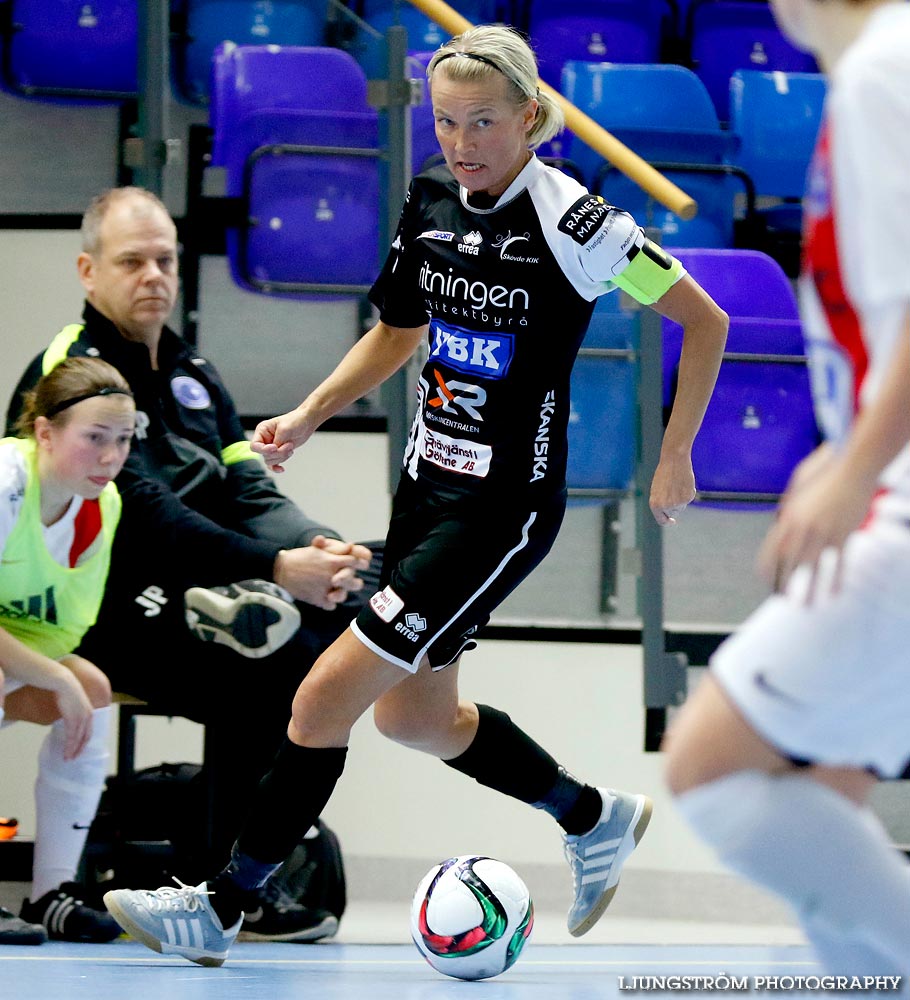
[58,511]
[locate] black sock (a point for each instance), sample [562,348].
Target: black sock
[287,803]
[504,757]
[583,816]
[227,899]
[289,800]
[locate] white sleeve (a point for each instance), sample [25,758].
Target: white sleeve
[870,134]
[600,247]
[12,489]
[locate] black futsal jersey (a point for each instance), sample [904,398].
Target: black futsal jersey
[508,292]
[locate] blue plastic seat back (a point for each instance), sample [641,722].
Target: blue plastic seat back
[243,22]
[612,326]
[249,79]
[746,283]
[775,117]
[423,124]
[424,34]
[753,290]
[662,112]
[314,217]
[714,193]
[624,32]
[745,336]
[760,422]
[602,417]
[648,95]
[727,35]
[73,46]
[316,220]
[275,127]
[758,426]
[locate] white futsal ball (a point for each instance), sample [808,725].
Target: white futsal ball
[471,917]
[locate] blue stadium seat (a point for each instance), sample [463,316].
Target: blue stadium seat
[423,124]
[258,78]
[727,35]
[758,426]
[747,285]
[662,112]
[602,429]
[72,48]
[760,422]
[243,22]
[424,34]
[625,31]
[775,119]
[715,193]
[313,216]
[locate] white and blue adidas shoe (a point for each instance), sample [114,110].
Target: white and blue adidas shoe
[174,921]
[596,858]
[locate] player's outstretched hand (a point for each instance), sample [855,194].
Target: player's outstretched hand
[277,438]
[672,489]
[822,505]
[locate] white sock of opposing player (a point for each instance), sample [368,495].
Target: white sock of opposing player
[819,852]
[66,799]
[841,956]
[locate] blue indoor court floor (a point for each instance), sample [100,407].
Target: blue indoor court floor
[332,971]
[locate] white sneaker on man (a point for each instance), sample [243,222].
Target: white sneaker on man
[253,617]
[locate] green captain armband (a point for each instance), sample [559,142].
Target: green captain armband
[650,273]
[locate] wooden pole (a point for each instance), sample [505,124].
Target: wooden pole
[596,136]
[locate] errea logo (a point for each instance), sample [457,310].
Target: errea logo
[412,626]
[470,243]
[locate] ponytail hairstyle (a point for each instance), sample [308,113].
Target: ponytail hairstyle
[68,383]
[478,53]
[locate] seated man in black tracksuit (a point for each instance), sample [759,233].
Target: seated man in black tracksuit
[199,510]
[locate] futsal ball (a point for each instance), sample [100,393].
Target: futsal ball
[471,917]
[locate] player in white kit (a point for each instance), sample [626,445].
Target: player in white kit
[774,756]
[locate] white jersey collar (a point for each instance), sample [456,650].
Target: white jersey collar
[521,183]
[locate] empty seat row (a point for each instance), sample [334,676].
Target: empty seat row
[713,37]
[90,48]
[745,178]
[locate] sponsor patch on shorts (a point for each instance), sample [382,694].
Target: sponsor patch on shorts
[387,604]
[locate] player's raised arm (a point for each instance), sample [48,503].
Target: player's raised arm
[373,359]
[704,326]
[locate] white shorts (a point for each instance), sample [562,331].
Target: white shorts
[830,682]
